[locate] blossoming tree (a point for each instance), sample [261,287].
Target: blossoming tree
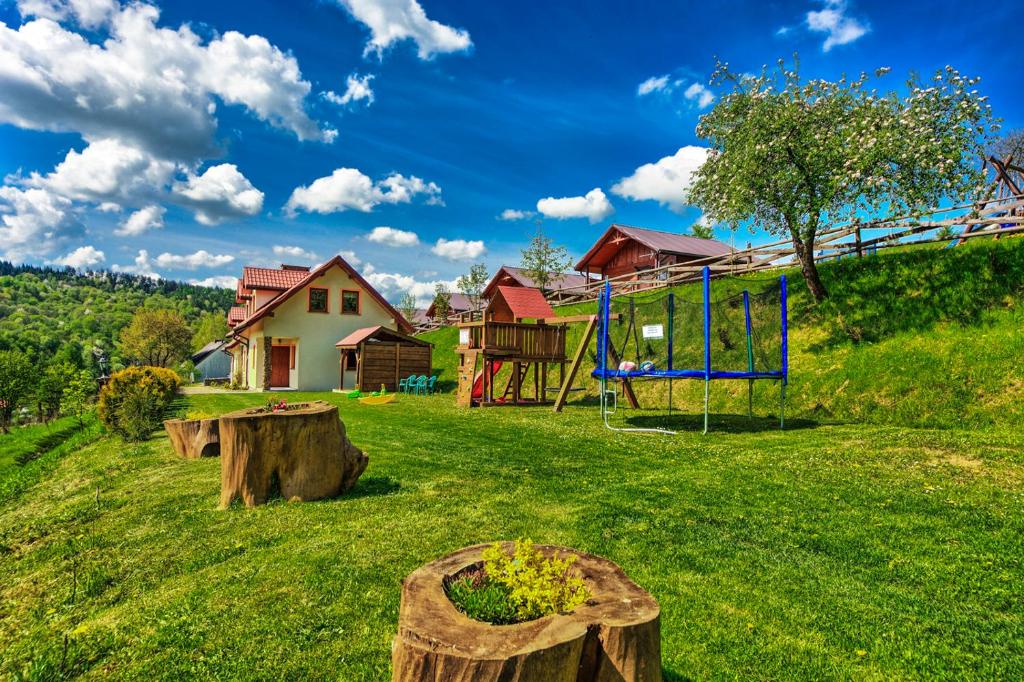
[787,155]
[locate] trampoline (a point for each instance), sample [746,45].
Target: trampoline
[737,330]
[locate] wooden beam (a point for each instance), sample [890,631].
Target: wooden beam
[627,385]
[577,360]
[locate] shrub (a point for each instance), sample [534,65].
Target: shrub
[133,401]
[517,587]
[17,377]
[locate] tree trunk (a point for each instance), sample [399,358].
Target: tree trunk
[194,438]
[805,253]
[614,637]
[304,448]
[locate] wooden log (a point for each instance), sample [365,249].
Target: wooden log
[305,448]
[194,438]
[615,635]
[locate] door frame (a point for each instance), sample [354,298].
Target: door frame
[289,364]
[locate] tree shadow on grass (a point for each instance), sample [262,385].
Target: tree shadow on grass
[373,486]
[721,423]
[672,676]
[47,442]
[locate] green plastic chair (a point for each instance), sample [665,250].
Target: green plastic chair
[430,385]
[406,384]
[421,385]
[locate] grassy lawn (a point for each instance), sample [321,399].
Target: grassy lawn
[825,551]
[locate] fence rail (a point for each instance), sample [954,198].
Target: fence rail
[537,341]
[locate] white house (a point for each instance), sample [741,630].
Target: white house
[284,330]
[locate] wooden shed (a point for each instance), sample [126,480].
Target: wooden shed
[376,356]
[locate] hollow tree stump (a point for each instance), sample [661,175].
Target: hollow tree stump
[616,635]
[304,448]
[194,438]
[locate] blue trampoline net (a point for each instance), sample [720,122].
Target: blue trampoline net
[724,328]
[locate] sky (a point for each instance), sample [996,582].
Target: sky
[414,137]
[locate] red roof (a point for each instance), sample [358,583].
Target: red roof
[526,302]
[235,315]
[270,278]
[378,332]
[661,242]
[307,277]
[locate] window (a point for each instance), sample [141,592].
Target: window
[349,302]
[317,300]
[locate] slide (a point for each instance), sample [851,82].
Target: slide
[478,382]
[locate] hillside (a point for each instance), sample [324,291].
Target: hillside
[920,337]
[46,311]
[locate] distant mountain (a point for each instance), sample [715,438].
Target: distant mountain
[60,312]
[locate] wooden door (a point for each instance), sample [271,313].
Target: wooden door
[280,363]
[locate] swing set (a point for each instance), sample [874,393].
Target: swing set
[742,335]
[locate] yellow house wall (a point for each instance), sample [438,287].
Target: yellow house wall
[316,359]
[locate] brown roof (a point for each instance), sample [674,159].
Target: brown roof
[379,333]
[508,275]
[271,278]
[235,315]
[526,302]
[662,242]
[307,277]
[458,304]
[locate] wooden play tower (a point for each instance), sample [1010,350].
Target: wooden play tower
[504,337]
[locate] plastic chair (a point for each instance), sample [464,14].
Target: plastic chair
[430,385]
[421,385]
[406,384]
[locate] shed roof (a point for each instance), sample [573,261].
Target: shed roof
[525,302]
[661,242]
[208,349]
[378,333]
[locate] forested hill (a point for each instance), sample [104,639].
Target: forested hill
[60,312]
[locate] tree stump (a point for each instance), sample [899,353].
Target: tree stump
[616,635]
[304,449]
[194,438]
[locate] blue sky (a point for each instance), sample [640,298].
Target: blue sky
[187,139]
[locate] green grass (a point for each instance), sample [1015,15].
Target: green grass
[822,552]
[922,337]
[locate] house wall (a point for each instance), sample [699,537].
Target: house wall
[216,365]
[316,360]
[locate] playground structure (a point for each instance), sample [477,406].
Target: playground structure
[504,336]
[662,336]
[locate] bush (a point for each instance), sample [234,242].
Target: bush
[133,401]
[517,587]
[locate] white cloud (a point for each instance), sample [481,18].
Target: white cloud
[349,189]
[193,261]
[653,84]
[216,281]
[458,249]
[149,87]
[145,219]
[393,285]
[82,257]
[839,28]
[88,13]
[219,194]
[294,252]
[391,21]
[594,206]
[106,171]
[392,237]
[357,89]
[352,259]
[699,94]
[666,181]
[35,222]
[515,214]
[141,266]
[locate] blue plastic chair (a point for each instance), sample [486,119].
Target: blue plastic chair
[421,385]
[406,384]
[430,385]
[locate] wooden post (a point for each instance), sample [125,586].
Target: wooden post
[344,363]
[544,383]
[515,377]
[359,366]
[860,251]
[398,363]
[565,383]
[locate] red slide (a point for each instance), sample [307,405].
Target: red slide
[478,383]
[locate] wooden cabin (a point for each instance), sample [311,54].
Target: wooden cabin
[505,336]
[624,250]
[508,276]
[377,356]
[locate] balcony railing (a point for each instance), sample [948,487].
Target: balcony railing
[536,341]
